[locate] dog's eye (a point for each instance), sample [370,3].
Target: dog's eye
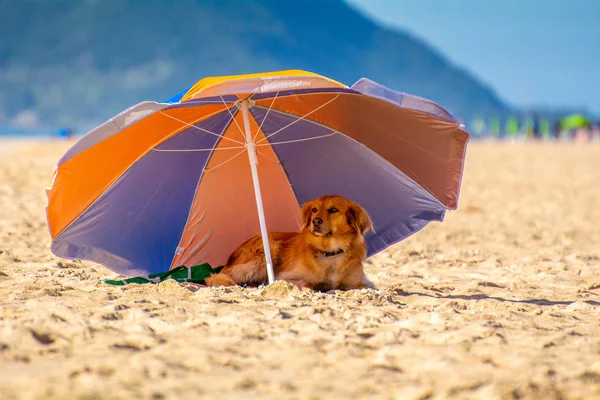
[332,210]
[314,210]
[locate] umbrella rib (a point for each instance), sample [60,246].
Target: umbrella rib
[224,162]
[232,117]
[265,118]
[192,150]
[201,129]
[267,157]
[193,102]
[299,119]
[298,140]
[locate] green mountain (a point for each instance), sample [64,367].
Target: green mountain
[79,62]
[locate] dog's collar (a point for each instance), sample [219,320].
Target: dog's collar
[332,253]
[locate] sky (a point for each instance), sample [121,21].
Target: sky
[533,53]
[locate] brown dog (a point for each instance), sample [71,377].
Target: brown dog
[326,254]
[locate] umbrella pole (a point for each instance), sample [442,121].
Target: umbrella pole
[251,147]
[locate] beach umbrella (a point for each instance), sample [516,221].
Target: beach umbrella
[545,128]
[478,126]
[512,126]
[495,126]
[527,127]
[574,121]
[184,182]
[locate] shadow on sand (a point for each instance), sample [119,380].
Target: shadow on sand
[539,302]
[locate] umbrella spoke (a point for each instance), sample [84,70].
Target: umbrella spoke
[299,119]
[224,162]
[267,157]
[265,118]
[233,118]
[192,150]
[201,129]
[298,140]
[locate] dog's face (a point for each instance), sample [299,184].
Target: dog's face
[335,215]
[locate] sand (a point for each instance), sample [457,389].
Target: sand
[500,301]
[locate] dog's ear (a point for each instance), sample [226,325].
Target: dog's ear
[307,214]
[359,219]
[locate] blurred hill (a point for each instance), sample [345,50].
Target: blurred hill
[81,62]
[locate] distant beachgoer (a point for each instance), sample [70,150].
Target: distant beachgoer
[535,127]
[557,130]
[594,128]
[65,133]
[595,132]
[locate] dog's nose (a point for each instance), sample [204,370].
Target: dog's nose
[317,221]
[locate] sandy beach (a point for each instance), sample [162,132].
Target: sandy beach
[500,301]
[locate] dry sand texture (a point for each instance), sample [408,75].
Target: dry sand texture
[499,301]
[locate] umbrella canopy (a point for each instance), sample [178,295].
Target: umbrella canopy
[512,126]
[168,184]
[574,121]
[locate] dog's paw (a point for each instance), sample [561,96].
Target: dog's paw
[300,283]
[368,284]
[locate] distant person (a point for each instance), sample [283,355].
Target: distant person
[65,133]
[557,130]
[535,127]
[595,131]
